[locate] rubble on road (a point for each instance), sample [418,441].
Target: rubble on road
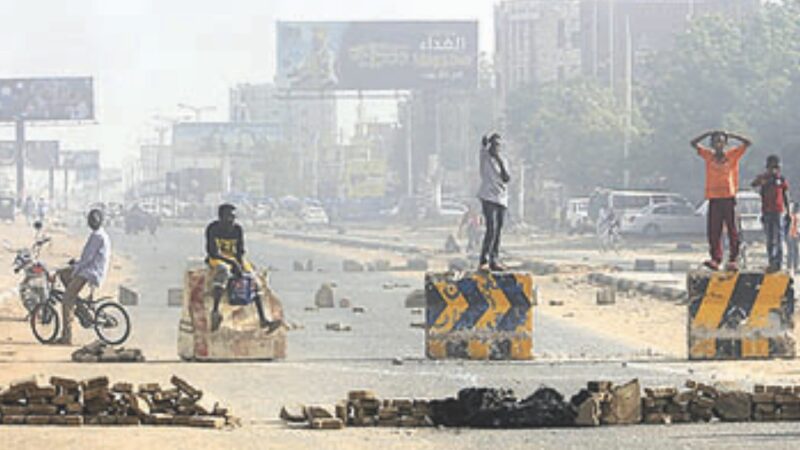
[350,265]
[324,296]
[96,401]
[601,403]
[416,299]
[99,351]
[338,326]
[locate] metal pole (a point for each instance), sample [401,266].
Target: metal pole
[51,180]
[611,43]
[66,189]
[20,157]
[409,148]
[628,103]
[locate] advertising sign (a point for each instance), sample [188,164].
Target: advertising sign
[39,155]
[377,55]
[222,137]
[69,98]
[365,179]
[80,160]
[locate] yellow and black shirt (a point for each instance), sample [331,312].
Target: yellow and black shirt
[224,243]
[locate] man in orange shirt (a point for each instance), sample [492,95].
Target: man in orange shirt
[722,183]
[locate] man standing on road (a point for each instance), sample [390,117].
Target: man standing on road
[774,191]
[225,257]
[493,194]
[91,268]
[722,183]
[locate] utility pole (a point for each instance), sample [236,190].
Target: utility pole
[20,157]
[409,148]
[626,176]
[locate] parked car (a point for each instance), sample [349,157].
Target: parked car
[668,218]
[314,215]
[628,203]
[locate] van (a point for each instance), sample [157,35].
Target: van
[578,215]
[626,204]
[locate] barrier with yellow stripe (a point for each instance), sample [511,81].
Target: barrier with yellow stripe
[479,316]
[740,315]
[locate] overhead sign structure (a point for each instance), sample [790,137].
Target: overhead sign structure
[224,137]
[365,179]
[40,99]
[39,155]
[80,159]
[377,55]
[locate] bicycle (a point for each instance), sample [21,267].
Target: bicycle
[101,314]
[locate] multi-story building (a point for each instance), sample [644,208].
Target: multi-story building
[536,41]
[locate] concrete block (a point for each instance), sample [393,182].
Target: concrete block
[733,406]
[175,297]
[239,338]
[606,296]
[349,265]
[324,297]
[644,265]
[127,296]
[479,315]
[416,299]
[327,424]
[679,266]
[418,264]
[207,422]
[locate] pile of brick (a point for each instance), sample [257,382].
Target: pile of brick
[776,403]
[664,405]
[101,352]
[96,401]
[362,409]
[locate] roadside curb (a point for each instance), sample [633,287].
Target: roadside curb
[664,293]
[348,242]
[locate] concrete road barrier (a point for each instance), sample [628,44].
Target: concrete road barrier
[644,265]
[679,266]
[175,297]
[740,315]
[239,337]
[479,316]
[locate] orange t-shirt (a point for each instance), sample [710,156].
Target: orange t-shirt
[722,177]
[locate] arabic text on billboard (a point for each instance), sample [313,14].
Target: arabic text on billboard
[236,138]
[39,155]
[377,55]
[46,99]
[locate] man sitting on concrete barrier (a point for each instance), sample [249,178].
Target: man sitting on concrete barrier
[225,258]
[722,183]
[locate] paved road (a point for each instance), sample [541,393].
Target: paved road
[322,366]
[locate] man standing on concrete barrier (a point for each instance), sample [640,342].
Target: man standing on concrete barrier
[722,183]
[493,194]
[774,190]
[90,269]
[225,257]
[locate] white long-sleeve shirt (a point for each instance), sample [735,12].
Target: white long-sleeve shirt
[96,255]
[493,188]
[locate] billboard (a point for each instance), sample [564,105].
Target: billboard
[222,137]
[365,179]
[377,55]
[69,98]
[86,160]
[39,155]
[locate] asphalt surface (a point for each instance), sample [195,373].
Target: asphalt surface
[323,365]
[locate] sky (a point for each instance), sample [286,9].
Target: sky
[147,56]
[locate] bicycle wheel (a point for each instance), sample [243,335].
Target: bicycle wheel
[112,323]
[45,323]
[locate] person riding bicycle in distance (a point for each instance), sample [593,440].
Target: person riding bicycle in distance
[90,269]
[225,257]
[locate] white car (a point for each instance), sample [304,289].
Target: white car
[667,218]
[314,215]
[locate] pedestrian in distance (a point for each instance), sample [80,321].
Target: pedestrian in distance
[793,239]
[774,190]
[493,195]
[721,186]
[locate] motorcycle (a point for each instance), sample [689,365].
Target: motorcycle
[35,286]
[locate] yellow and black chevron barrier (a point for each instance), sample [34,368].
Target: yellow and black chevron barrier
[479,316]
[740,315]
